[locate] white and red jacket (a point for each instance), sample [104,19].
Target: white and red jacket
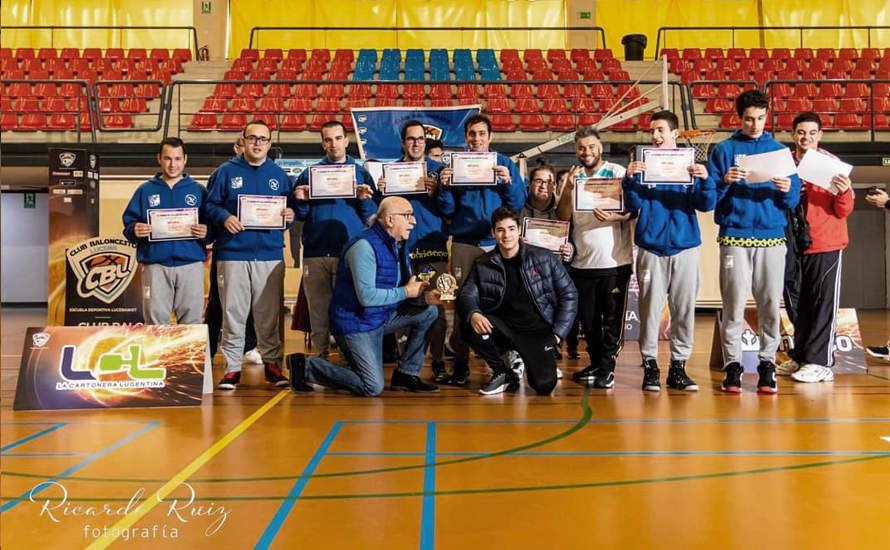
[826,213]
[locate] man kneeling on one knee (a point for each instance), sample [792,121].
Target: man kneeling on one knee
[517,296]
[372,283]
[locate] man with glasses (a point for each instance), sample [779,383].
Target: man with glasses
[469,207]
[329,224]
[428,242]
[373,279]
[250,261]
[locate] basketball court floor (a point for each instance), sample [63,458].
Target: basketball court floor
[264,468]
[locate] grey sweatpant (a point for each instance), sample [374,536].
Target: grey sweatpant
[178,289]
[763,271]
[246,286]
[318,284]
[677,279]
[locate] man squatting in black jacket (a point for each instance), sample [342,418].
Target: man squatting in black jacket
[520,297]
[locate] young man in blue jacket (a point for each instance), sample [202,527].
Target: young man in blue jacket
[428,241]
[521,297]
[172,270]
[668,238]
[469,207]
[250,261]
[751,216]
[329,223]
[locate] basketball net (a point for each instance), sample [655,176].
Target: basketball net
[700,140]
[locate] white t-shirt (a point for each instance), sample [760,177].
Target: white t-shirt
[598,244]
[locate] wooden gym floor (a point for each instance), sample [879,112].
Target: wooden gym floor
[808,468]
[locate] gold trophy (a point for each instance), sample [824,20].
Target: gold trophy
[446,284]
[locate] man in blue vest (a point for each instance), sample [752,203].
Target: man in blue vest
[373,280]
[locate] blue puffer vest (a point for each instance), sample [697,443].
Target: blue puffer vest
[347,315]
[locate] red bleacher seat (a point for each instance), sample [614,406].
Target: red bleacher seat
[411,91]
[806,89]
[347,122]
[32,122]
[278,90]
[270,119]
[502,123]
[584,105]
[91,53]
[273,53]
[242,104]
[830,89]
[437,91]
[292,122]
[109,105]
[6,53]
[758,53]
[54,104]
[719,106]
[27,105]
[268,64]
[24,53]
[252,90]
[497,105]
[203,121]
[532,123]
[133,105]
[114,53]
[589,119]
[233,121]
[182,55]
[328,105]
[850,121]
[852,105]
[781,53]
[8,121]
[798,105]
[561,123]
[19,89]
[714,53]
[69,53]
[691,53]
[442,102]
[249,54]
[730,121]
[825,53]
[318,120]
[45,89]
[362,102]
[61,122]
[856,89]
[161,54]
[555,106]
[147,90]
[670,53]
[525,106]
[803,53]
[824,105]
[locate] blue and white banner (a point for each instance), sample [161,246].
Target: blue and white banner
[377,128]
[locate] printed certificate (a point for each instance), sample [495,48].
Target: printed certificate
[819,169]
[172,224]
[598,194]
[765,166]
[549,234]
[332,181]
[668,165]
[403,178]
[261,211]
[471,168]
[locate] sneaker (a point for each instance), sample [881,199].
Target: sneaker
[572,353]
[253,356]
[296,364]
[732,381]
[766,382]
[651,375]
[407,382]
[678,379]
[440,373]
[603,379]
[810,372]
[584,375]
[787,368]
[460,374]
[879,352]
[514,362]
[496,384]
[230,380]
[274,375]
[559,374]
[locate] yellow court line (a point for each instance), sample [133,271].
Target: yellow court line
[114,532]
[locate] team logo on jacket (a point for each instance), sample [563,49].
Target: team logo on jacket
[237,182]
[191,200]
[67,158]
[154,200]
[103,267]
[39,339]
[273,184]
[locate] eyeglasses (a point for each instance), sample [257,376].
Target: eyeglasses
[408,215]
[539,181]
[412,139]
[260,140]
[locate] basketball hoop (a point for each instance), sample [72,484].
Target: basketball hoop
[700,139]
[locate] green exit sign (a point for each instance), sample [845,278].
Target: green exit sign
[30,200]
[584,14]
[885,161]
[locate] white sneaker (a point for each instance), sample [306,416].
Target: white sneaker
[788,368]
[810,372]
[558,374]
[514,362]
[253,356]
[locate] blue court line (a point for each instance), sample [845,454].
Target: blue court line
[287,505]
[20,455]
[89,460]
[428,508]
[645,421]
[630,453]
[32,437]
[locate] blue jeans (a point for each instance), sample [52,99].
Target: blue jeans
[364,354]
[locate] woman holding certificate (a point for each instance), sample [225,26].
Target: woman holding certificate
[249,206]
[164,220]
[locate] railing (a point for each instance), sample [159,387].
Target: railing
[191,40]
[693,97]
[100,93]
[82,101]
[663,32]
[406,42]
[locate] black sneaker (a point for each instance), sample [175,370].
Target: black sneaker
[766,382]
[274,375]
[460,374]
[572,353]
[584,375]
[603,379]
[879,352]
[651,375]
[732,381]
[557,354]
[406,382]
[440,373]
[229,380]
[498,383]
[677,378]
[296,364]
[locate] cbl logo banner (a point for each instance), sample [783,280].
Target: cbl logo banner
[102,285]
[94,367]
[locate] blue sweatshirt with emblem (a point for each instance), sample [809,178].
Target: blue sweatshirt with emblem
[156,194]
[749,209]
[330,223]
[470,206]
[234,178]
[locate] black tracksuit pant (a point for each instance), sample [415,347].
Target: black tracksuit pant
[602,302]
[812,296]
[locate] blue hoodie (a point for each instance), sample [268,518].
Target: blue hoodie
[428,239]
[236,177]
[330,223]
[470,206]
[749,209]
[155,194]
[666,220]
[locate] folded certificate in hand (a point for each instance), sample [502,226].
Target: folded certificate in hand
[172,224]
[598,194]
[472,168]
[549,234]
[818,169]
[766,166]
[262,211]
[403,178]
[332,181]
[669,166]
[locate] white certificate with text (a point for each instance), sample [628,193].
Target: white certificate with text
[172,224]
[262,211]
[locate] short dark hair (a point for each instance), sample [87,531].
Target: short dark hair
[432,144]
[751,98]
[477,119]
[669,117]
[411,124]
[806,116]
[502,213]
[560,173]
[541,168]
[256,122]
[332,124]
[587,131]
[174,142]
